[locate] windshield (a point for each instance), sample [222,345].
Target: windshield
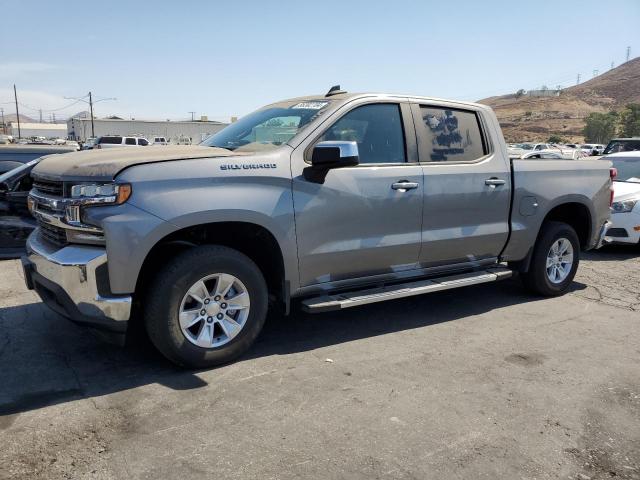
[268,127]
[628,168]
[526,146]
[616,146]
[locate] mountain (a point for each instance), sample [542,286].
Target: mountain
[525,118]
[11,117]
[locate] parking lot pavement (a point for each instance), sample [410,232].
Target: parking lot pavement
[486,382]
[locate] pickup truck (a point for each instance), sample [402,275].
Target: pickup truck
[336,200]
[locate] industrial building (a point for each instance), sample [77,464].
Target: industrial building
[197,130]
[46,130]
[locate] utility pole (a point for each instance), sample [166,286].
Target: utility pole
[578,80]
[192,116]
[54,118]
[611,66]
[93,133]
[4,126]
[40,111]
[628,53]
[15,95]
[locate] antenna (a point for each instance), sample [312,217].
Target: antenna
[335,90]
[628,53]
[578,80]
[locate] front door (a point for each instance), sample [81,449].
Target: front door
[361,221]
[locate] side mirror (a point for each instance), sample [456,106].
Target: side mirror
[334,154]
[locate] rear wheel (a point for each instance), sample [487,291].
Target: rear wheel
[555,260]
[206,307]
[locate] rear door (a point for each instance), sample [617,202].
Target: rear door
[361,222]
[467,184]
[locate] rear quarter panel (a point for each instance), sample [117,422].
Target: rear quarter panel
[550,183]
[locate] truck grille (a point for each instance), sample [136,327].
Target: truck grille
[49,187]
[52,234]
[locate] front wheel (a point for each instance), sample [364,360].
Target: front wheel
[555,260]
[206,307]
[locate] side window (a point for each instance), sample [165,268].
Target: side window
[450,135]
[143,142]
[376,128]
[130,141]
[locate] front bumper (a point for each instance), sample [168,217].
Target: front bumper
[602,235]
[623,229]
[73,281]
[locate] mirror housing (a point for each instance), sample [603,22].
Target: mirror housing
[334,154]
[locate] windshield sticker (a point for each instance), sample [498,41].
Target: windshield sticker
[311,105]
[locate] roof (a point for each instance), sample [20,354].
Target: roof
[345,97]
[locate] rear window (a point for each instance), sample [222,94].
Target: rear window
[450,135]
[112,140]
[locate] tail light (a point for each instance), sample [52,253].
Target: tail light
[613,173]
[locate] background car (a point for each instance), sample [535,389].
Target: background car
[626,198]
[591,149]
[160,141]
[543,154]
[617,145]
[16,223]
[110,141]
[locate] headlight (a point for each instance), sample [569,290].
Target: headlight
[624,206]
[107,193]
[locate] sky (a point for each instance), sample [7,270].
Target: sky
[164,59]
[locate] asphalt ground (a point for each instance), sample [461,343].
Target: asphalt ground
[482,382]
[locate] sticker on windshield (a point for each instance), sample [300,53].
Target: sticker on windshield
[311,105]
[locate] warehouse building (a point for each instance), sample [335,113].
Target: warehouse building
[46,130]
[196,131]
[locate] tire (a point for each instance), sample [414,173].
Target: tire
[538,278]
[168,297]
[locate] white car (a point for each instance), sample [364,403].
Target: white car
[591,149]
[109,141]
[548,154]
[521,149]
[160,141]
[625,211]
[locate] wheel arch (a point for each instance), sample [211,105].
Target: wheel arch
[252,239]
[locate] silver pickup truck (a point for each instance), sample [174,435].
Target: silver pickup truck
[339,200]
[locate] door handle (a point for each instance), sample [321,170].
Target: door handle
[404,185]
[494,182]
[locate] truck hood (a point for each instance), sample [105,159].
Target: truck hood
[105,164]
[625,190]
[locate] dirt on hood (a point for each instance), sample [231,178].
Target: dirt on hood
[105,164]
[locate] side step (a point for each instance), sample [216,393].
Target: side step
[327,303]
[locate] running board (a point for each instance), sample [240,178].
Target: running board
[327,303]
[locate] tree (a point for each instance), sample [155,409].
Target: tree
[600,127]
[630,121]
[556,139]
[520,93]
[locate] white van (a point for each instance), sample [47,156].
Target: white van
[109,141]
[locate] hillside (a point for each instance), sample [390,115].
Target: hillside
[535,118]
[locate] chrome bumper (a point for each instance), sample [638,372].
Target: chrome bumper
[72,281]
[602,236]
